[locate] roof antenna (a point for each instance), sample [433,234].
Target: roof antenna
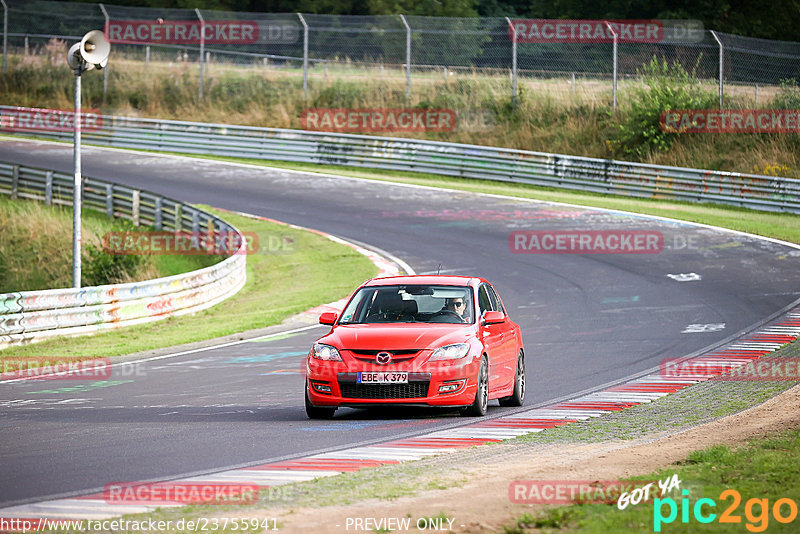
[439,269]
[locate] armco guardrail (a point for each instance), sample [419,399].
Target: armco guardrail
[449,159]
[29,316]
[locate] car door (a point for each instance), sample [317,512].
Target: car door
[507,364]
[492,338]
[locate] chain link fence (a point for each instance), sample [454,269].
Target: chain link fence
[423,61]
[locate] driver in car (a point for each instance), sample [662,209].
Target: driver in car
[458,306]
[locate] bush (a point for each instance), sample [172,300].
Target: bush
[788,96]
[101,267]
[667,86]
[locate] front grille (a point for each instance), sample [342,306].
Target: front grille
[412,390]
[395,352]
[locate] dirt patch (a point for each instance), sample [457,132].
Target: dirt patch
[482,504]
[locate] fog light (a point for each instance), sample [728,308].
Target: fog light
[322,388]
[450,387]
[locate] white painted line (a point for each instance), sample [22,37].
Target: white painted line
[632,396]
[79,508]
[244,476]
[560,414]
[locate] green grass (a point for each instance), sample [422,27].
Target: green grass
[762,469]
[34,234]
[548,115]
[310,270]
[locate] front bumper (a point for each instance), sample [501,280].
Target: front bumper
[444,384]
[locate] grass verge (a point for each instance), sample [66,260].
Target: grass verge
[35,234]
[553,115]
[306,270]
[760,473]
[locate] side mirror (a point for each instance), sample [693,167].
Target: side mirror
[328,318]
[493,317]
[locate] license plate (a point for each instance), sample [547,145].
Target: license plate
[382,377]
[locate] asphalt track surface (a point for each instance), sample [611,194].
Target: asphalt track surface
[587,320]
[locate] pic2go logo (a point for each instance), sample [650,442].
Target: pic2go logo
[756,511]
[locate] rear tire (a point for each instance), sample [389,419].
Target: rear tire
[481,403]
[518,396]
[317,412]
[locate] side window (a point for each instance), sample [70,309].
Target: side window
[496,304]
[484,300]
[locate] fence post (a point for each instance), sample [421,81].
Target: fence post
[616,39]
[721,68]
[513,61]
[408,57]
[105,31]
[305,53]
[5,34]
[202,54]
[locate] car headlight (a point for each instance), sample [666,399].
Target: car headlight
[451,352]
[325,352]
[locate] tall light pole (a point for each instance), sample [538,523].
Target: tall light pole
[91,52]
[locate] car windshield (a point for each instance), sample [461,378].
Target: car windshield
[410,304]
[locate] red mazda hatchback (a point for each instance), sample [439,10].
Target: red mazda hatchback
[417,340]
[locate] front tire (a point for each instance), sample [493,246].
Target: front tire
[518,396]
[481,403]
[317,412]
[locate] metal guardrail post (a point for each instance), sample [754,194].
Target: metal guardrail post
[178,221]
[135,204]
[14,182]
[616,40]
[513,61]
[158,216]
[408,57]
[105,31]
[5,34]
[48,188]
[721,68]
[202,52]
[110,200]
[305,53]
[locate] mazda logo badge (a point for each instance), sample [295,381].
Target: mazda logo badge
[383,358]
